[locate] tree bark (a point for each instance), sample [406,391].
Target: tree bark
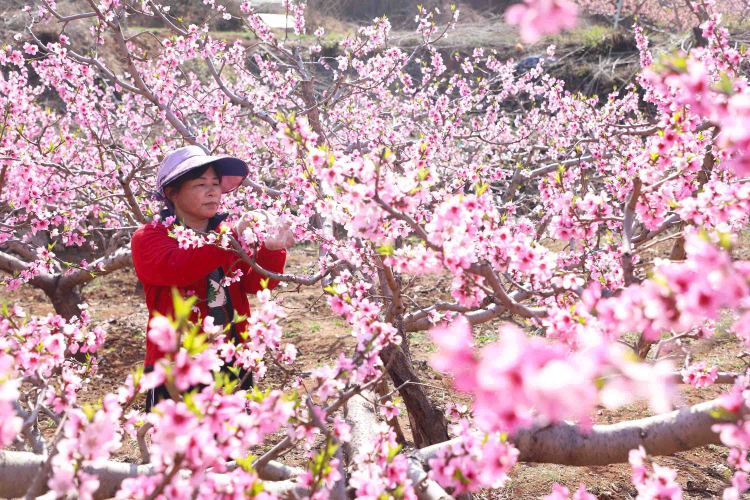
[66,301]
[428,424]
[382,390]
[19,468]
[563,444]
[678,249]
[567,444]
[361,415]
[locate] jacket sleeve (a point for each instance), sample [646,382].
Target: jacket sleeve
[159,261]
[270,260]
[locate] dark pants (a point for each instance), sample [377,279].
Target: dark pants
[153,396]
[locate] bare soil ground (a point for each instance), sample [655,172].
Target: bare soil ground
[320,336]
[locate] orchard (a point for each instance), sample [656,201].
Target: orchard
[599,237]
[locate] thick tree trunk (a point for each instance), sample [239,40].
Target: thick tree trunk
[66,301]
[678,249]
[428,424]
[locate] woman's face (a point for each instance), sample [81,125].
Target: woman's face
[199,198]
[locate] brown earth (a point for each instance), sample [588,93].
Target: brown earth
[320,336]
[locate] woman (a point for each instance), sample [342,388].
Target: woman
[191,184]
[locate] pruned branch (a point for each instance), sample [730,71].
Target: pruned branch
[568,444]
[18,469]
[362,417]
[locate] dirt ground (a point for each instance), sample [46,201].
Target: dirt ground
[320,336]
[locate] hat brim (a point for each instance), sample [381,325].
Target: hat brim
[231,170]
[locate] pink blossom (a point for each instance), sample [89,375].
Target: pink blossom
[455,353]
[390,410]
[162,333]
[540,17]
[698,375]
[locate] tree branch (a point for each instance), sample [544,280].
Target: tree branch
[118,260]
[289,278]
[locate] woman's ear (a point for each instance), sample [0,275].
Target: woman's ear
[168,193]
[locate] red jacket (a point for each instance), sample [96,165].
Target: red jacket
[161,265]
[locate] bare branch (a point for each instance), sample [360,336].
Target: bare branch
[288,278]
[506,300]
[627,232]
[551,167]
[67,19]
[475,317]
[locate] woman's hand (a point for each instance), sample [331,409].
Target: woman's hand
[280,236]
[279,233]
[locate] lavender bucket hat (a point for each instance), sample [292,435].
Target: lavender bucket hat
[180,161]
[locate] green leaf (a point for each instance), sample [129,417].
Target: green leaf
[385,250]
[393,451]
[195,342]
[558,174]
[264,283]
[257,395]
[725,84]
[89,410]
[459,476]
[721,413]
[247,463]
[725,240]
[330,289]
[257,489]
[237,318]
[137,376]
[481,187]
[182,306]
[189,400]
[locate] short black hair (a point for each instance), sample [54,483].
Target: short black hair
[190,175]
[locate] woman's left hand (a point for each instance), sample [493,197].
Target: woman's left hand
[279,232]
[280,236]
